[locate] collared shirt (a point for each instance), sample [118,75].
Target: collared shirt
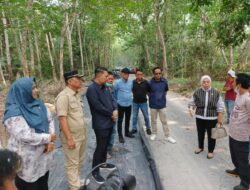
[140,91]
[239,125]
[69,104]
[101,106]
[157,93]
[123,92]
[30,146]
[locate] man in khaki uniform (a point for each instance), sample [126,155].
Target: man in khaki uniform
[73,138]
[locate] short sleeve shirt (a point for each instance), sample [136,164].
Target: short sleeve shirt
[69,104]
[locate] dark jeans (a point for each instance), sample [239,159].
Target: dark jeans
[40,184]
[202,127]
[239,154]
[102,140]
[121,111]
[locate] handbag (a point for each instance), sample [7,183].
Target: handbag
[218,132]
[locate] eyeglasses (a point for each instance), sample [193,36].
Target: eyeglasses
[157,73]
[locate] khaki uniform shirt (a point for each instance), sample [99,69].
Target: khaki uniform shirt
[69,104]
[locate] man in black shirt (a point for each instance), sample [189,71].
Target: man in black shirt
[104,115]
[140,90]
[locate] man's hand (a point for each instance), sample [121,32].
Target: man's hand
[115,115]
[71,144]
[52,137]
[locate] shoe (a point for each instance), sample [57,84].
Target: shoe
[121,139]
[198,151]
[129,135]
[82,182]
[108,166]
[210,155]
[240,187]
[153,137]
[133,131]
[109,156]
[149,131]
[98,178]
[232,172]
[171,140]
[115,149]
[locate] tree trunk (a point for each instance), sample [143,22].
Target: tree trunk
[53,48]
[68,34]
[224,55]
[91,56]
[24,61]
[1,49]
[86,53]
[80,44]
[7,46]
[63,31]
[243,53]
[2,75]
[156,48]
[18,46]
[24,44]
[231,57]
[32,61]
[51,59]
[38,56]
[161,38]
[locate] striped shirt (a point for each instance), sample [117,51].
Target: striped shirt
[239,126]
[207,103]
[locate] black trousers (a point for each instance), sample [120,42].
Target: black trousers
[202,127]
[121,111]
[40,184]
[102,140]
[239,154]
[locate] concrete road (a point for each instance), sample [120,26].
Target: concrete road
[178,166]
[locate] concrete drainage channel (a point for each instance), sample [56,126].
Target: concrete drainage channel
[149,155]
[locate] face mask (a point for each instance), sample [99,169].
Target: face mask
[108,84]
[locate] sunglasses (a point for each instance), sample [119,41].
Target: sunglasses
[157,73]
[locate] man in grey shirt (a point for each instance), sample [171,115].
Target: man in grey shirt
[239,132]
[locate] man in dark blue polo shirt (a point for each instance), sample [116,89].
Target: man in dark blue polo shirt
[158,87]
[104,114]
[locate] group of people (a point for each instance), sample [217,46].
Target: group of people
[32,133]
[109,102]
[209,107]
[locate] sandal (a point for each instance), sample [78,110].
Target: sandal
[210,155]
[198,151]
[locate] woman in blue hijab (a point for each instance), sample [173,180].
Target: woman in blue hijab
[31,129]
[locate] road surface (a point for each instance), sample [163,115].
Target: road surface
[179,168]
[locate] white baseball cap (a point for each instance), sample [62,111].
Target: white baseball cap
[231,73]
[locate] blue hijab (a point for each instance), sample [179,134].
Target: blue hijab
[20,102]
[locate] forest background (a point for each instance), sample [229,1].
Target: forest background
[187,38]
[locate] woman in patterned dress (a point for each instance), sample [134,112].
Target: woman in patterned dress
[31,129]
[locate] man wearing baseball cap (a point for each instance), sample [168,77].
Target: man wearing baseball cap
[230,94]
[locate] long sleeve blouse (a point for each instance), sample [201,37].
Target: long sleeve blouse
[31,147]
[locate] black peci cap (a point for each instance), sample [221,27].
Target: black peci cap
[70,74]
